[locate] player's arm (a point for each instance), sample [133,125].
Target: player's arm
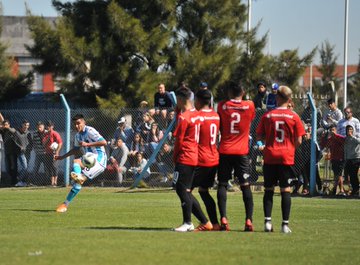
[94,144]
[180,134]
[75,151]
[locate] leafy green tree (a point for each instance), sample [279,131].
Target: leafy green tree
[327,68]
[354,90]
[105,46]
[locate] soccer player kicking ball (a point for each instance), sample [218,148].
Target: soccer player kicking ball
[282,131]
[186,155]
[208,160]
[87,140]
[236,115]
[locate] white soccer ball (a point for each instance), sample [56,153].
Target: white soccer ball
[88,160]
[54,146]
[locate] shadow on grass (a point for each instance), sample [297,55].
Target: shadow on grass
[129,228]
[34,210]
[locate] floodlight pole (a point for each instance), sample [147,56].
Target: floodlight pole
[346,33]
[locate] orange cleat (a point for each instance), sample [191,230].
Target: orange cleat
[248,226]
[204,227]
[78,178]
[62,208]
[224,224]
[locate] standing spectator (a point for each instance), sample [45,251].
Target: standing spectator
[165,161]
[117,159]
[208,159]
[261,96]
[236,116]
[124,132]
[271,97]
[53,143]
[87,140]
[38,146]
[22,142]
[352,158]
[348,120]
[162,102]
[29,147]
[186,156]
[10,150]
[306,116]
[332,116]
[282,131]
[335,143]
[139,112]
[1,143]
[137,145]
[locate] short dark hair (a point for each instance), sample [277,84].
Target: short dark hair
[204,96]
[332,126]
[183,92]
[40,123]
[25,121]
[49,123]
[235,88]
[261,84]
[330,101]
[77,117]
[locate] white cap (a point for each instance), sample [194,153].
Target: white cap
[122,120]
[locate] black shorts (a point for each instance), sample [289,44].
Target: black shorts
[204,177]
[337,167]
[239,163]
[183,176]
[281,175]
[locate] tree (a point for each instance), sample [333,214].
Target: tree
[327,68]
[354,89]
[105,46]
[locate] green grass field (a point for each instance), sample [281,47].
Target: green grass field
[104,226]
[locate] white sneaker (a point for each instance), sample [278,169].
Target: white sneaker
[184,228]
[285,229]
[20,184]
[268,227]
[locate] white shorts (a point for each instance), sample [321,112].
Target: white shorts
[93,172]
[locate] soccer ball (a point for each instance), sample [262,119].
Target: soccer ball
[54,146]
[88,160]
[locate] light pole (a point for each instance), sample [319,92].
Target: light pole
[346,50]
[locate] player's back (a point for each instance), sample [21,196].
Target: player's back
[235,118]
[281,128]
[209,132]
[186,137]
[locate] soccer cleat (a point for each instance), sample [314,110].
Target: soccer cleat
[268,227]
[204,227]
[78,178]
[216,227]
[20,184]
[285,229]
[224,224]
[248,226]
[184,228]
[62,208]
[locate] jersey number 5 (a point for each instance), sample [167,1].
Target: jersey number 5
[280,133]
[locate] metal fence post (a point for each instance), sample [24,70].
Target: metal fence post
[313,145]
[67,138]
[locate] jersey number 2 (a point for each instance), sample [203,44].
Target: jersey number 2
[236,119]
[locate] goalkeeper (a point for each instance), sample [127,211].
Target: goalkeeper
[87,140]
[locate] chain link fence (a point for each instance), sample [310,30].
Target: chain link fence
[141,130]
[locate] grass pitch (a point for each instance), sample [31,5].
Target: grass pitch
[104,226]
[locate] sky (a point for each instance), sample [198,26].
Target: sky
[291,24]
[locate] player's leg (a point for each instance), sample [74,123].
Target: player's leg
[285,190]
[269,183]
[354,179]
[208,200]
[242,172]
[224,175]
[183,178]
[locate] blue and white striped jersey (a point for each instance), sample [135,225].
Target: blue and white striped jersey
[91,135]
